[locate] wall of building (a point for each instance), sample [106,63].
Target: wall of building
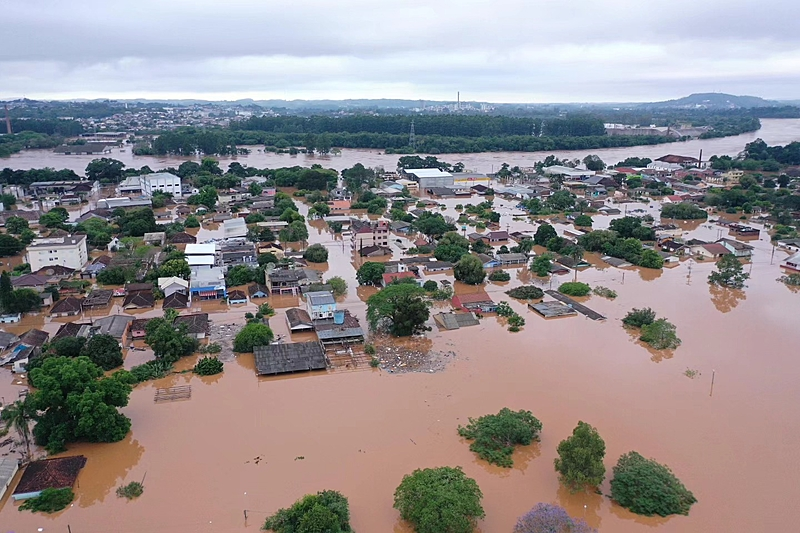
[68,255]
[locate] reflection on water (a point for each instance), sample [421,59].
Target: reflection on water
[583,504]
[725,299]
[107,468]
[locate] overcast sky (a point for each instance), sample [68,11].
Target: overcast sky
[498,51]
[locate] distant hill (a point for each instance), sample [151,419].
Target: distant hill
[714,101]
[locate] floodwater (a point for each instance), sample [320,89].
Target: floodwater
[773,132]
[257,444]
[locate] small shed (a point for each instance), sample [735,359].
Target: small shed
[298,320]
[58,473]
[257,290]
[553,309]
[478,301]
[137,328]
[290,357]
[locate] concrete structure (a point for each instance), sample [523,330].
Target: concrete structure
[148,184]
[207,283]
[8,468]
[430,177]
[739,249]
[234,227]
[365,234]
[123,202]
[67,251]
[792,262]
[320,304]
[570,173]
[201,256]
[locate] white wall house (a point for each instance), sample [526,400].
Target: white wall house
[147,184]
[67,251]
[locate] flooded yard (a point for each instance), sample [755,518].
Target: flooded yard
[243,443]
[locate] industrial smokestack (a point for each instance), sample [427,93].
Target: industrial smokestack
[701,157]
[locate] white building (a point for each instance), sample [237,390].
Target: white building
[201,256]
[571,173]
[67,251]
[147,184]
[234,227]
[429,177]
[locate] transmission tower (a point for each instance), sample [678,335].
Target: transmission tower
[412,140]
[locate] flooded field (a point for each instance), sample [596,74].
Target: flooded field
[257,444]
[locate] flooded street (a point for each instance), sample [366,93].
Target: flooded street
[773,132]
[257,444]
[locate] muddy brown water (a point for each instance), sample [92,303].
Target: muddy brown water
[258,444]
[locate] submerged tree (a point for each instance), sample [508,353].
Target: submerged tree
[549,518]
[729,273]
[400,308]
[324,512]
[494,436]
[18,417]
[661,335]
[646,487]
[580,458]
[439,500]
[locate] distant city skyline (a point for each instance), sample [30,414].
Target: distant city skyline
[507,51]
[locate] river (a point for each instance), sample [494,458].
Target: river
[773,132]
[258,444]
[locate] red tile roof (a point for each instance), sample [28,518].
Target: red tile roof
[394,276]
[58,473]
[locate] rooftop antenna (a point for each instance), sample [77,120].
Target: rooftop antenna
[8,121]
[458,101]
[412,139]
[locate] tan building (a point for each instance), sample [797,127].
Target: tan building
[366,234]
[69,251]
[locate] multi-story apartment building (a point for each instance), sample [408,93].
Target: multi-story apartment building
[147,184]
[366,234]
[67,251]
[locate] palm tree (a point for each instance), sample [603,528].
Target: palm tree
[18,416]
[576,253]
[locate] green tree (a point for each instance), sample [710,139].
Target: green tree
[316,253]
[252,335]
[338,285]
[370,273]
[27,236]
[324,512]
[104,351]
[648,488]
[593,162]
[574,288]
[541,264]
[295,232]
[433,224]
[210,165]
[639,317]
[9,246]
[239,275]
[168,340]
[651,259]
[584,221]
[75,402]
[208,366]
[175,267]
[16,225]
[494,436]
[399,308]
[480,247]
[8,200]
[660,334]
[67,346]
[191,222]
[439,500]
[544,234]
[526,292]
[25,301]
[207,196]
[105,170]
[580,458]
[18,416]
[499,275]
[469,270]
[50,500]
[6,292]
[729,273]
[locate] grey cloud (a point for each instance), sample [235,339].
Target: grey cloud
[500,51]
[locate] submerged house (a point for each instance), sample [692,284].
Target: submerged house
[289,357]
[56,473]
[320,304]
[476,302]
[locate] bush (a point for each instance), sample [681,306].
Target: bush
[526,292]
[369,349]
[49,501]
[515,322]
[338,286]
[266,310]
[439,500]
[574,288]
[430,286]
[208,366]
[155,369]
[605,292]
[499,275]
[132,490]
[661,335]
[580,458]
[191,222]
[494,436]
[683,211]
[469,270]
[324,512]
[212,347]
[316,253]
[549,518]
[639,317]
[584,221]
[252,335]
[646,487]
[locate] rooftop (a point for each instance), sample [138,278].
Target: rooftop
[194,323]
[290,357]
[57,473]
[73,240]
[176,300]
[200,249]
[320,298]
[114,325]
[427,173]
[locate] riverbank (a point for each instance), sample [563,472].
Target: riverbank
[773,132]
